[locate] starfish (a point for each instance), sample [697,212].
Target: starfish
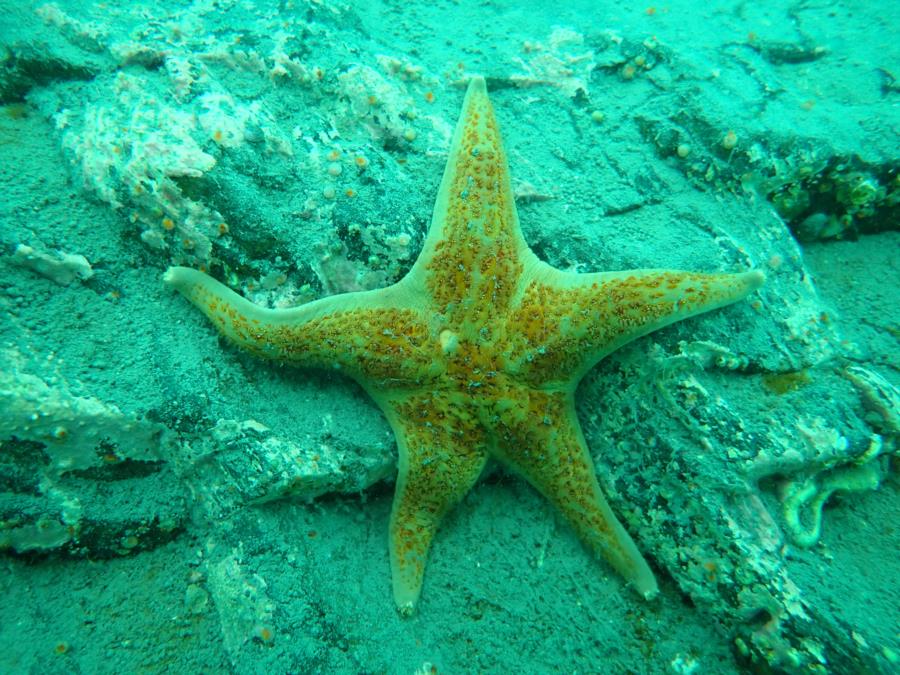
[476,353]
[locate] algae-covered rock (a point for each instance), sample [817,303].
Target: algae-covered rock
[77,475]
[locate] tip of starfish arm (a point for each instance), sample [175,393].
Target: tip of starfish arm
[477,82]
[406,592]
[755,278]
[177,276]
[168,276]
[649,593]
[644,581]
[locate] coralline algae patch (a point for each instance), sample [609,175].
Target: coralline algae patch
[53,443]
[139,152]
[385,110]
[185,137]
[150,156]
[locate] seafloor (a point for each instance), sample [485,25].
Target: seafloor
[169,504]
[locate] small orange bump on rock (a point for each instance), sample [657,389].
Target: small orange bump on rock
[729,140]
[264,634]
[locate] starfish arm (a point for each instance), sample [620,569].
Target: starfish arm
[474,251]
[566,322]
[441,455]
[357,333]
[552,455]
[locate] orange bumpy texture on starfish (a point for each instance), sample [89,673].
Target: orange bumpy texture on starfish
[476,353]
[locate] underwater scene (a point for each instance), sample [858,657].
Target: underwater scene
[464,336]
